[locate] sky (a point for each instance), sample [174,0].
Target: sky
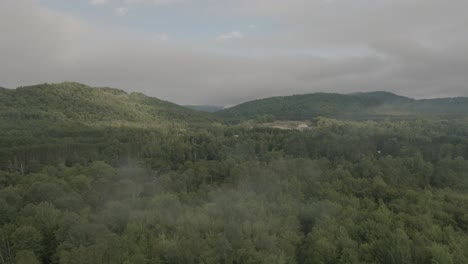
[223,52]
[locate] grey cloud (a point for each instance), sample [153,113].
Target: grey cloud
[415,48]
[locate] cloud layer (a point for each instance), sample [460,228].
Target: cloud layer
[412,47]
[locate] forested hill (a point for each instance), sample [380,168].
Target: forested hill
[77,103]
[96,175]
[205,108]
[359,106]
[74,102]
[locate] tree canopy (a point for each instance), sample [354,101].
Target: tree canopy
[100,176]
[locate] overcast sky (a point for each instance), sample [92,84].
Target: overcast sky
[224,52]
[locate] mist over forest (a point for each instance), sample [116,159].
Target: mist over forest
[98,175]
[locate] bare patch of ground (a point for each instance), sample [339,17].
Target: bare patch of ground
[289,125]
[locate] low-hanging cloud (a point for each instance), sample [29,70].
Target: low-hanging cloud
[416,48]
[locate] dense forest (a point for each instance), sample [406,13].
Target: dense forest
[96,175]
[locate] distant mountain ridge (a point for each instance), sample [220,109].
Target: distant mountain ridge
[363,105]
[74,102]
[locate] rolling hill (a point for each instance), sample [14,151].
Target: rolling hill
[205,108]
[97,175]
[70,102]
[74,102]
[356,106]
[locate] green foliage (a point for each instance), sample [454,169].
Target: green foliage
[74,103]
[26,257]
[107,177]
[27,238]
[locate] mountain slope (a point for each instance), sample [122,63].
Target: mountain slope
[74,102]
[372,105]
[205,108]
[383,97]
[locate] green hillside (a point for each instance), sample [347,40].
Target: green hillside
[74,102]
[71,122]
[205,108]
[356,106]
[96,175]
